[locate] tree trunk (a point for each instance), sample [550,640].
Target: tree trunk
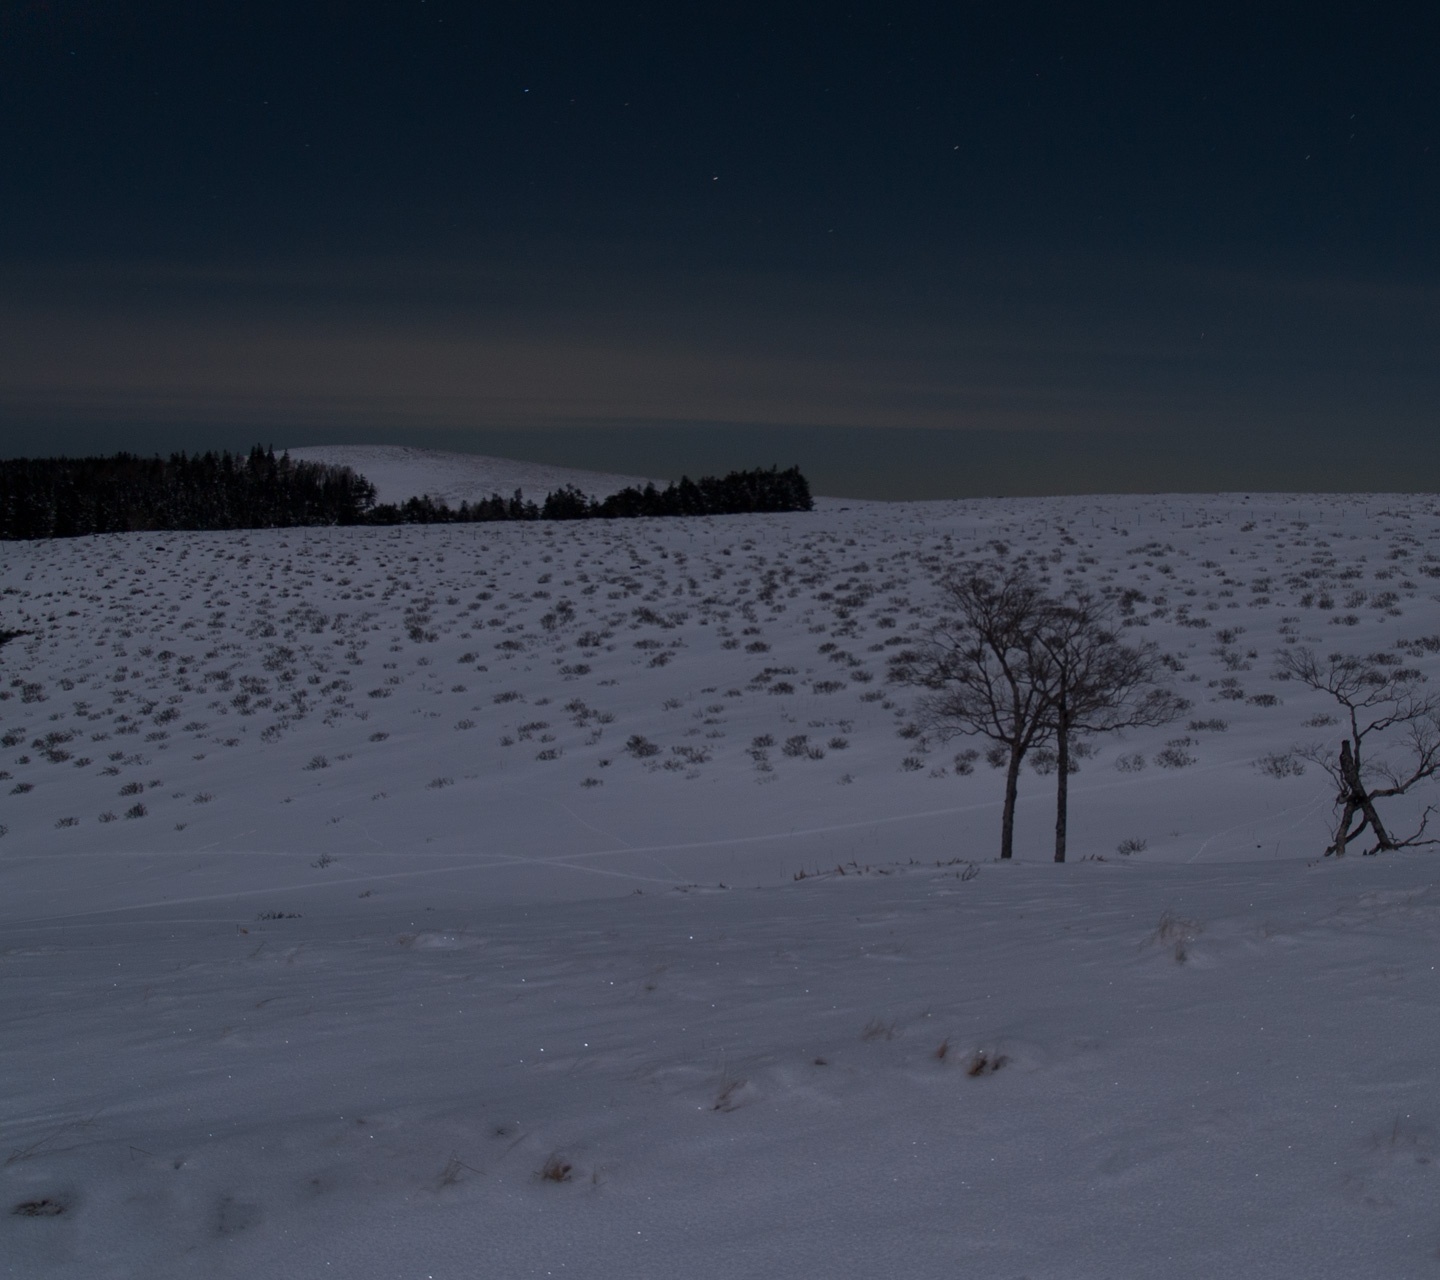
[1062,786]
[1382,837]
[1012,789]
[1357,797]
[1350,780]
[1343,834]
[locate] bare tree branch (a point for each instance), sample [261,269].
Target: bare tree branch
[1094,684]
[1027,671]
[1378,694]
[977,670]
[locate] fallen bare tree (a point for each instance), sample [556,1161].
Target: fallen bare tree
[1378,695]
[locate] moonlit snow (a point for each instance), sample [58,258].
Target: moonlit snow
[399,472]
[549,899]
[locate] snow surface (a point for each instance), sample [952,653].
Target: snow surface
[399,472]
[400,923]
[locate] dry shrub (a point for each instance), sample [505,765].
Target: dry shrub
[985,1063]
[555,1169]
[1177,933]
[728,1099]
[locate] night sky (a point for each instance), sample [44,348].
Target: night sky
[921,251]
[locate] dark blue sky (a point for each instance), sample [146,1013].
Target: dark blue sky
[919,250]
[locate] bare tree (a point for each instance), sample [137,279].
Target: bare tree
[980,668]
[1093,684]
[1378,694]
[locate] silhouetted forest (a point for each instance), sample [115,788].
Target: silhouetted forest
[740,491]
[72,497]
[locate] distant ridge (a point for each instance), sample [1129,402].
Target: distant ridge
[399,472]
[77,497]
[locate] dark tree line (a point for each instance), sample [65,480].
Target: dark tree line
[738,492]
[73,497]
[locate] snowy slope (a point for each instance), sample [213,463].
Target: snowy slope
[399,472]
[399,922]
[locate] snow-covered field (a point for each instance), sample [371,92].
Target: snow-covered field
[335,913]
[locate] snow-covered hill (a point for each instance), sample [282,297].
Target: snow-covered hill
[399,472]
[354,878]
